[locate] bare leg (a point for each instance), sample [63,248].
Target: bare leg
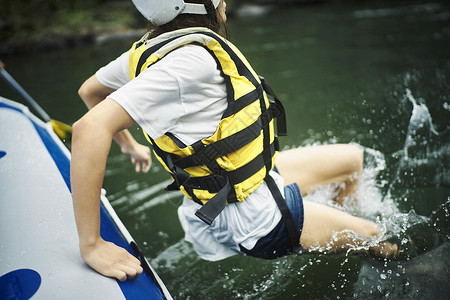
[312,166]
[326,227]
[336,231]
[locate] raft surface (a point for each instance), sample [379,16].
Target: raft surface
[38,237]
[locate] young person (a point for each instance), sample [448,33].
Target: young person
[207,116]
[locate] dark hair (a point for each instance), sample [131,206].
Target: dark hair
[209,20]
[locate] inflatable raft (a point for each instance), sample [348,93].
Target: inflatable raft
[39,254]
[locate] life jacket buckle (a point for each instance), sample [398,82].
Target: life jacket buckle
[179,175]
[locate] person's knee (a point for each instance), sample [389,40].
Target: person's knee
[358,155]
[354,160]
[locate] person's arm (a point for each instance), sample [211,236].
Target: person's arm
[91,141]
[92,92]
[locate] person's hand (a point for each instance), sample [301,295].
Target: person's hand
[111,260]
[140,156]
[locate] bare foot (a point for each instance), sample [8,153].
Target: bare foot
[385,250]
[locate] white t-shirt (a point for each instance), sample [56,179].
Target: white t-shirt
[184,94]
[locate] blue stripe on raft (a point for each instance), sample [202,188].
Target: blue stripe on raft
[142,287]
[59,157]
[132,289]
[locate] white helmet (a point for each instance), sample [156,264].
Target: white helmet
[161,12]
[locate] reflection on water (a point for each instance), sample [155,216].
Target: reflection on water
[373,74]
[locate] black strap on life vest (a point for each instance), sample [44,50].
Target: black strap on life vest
[146,54]
[285,215]
[204,154]
[209,211]
[276,108]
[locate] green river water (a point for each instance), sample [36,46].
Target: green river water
[372,73]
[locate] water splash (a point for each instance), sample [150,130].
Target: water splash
[420,120]
[420,151]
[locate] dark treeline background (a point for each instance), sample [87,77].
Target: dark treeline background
[36,25]
[27,25]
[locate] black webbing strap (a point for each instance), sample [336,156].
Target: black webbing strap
[209,211]
[240,65]
[266,117]
[285,214]
[216,204]
[248,170]
[146,54]
[229,86]
[205,154]
[179,175]
[212,183]
[244,101]
[276,108]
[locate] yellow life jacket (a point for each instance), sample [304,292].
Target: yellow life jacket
[230,164]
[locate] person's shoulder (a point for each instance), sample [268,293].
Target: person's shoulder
[192,59]
[192,54]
